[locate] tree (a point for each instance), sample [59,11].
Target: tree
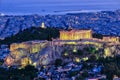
[118,73]
[33,33]
[85,74]
[79,78]
[110,69]
[96,35]
[92,58]
[58,62]
[80,52]
[73,73]
[1,61]
[27,73]
[30,71]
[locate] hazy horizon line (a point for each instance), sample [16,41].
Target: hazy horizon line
[59,12]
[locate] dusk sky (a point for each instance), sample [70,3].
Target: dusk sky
[36,6]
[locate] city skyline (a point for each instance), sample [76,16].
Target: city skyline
[59,40]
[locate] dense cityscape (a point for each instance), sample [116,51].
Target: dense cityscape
[59,40]
[104,22]
[74,54]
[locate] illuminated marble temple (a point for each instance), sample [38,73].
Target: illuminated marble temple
[75,34]
[111,39]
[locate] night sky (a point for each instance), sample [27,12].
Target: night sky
[38,6]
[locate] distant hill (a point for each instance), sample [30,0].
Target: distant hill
[32,33]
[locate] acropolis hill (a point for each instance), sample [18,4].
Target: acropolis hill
[44,52]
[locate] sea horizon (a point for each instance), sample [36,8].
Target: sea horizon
[22,7]
[56,12]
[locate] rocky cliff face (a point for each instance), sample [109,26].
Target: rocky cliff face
[35,53]
[112,50]
[42,53]
[49,54]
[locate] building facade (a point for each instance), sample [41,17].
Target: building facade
[110,39]
[75,34]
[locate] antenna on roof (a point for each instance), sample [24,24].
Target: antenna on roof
[70,28]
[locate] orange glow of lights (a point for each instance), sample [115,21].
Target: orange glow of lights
[9,61]
[75,34]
